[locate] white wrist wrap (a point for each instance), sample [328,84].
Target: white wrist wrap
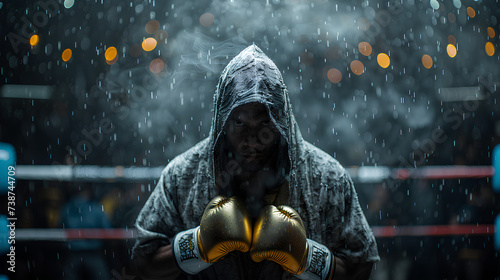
[187,253]
[319,262]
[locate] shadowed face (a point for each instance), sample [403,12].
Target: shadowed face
[251,137]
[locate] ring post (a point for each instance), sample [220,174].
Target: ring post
[496,187]
[7,159]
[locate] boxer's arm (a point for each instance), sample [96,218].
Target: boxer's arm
[354,238]
[156,224]
[160,265]
[351,271]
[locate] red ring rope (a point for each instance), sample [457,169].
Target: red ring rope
[443,172]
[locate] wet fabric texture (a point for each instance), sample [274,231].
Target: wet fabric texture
[312,182]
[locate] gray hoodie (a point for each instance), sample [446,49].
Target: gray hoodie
[311,181]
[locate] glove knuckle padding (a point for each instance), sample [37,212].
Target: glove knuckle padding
[224,227]
[279,235]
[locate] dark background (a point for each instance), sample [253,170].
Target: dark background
[383,117]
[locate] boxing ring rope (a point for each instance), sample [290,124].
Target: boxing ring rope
[25,234]
[87,173]
[363,174]
[437,230]
[54,234]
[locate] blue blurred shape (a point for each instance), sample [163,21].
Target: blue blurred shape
[496,166]
[7,158]
[4,235]
[497,233]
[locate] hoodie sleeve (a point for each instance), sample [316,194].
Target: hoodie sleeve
[159,220]
[351,237]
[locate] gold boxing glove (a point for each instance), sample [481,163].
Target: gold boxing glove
[224,227]
[279,235]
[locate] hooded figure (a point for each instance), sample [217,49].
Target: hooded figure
[290,171]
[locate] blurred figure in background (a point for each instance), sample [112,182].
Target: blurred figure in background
[85,258]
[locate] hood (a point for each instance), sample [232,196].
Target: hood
[251,76]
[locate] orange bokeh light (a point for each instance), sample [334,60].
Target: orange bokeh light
[334,75]
[489,48]
[111,53]
[365,48]
[66,55]
[207,19]
[491,32]
[451,50]
[470,12]
[157,65]
[149,44]
[34,40]
[427,61]
[357,67]
[383,60]
[152,26]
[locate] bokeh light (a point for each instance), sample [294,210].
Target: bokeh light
[152,26]
[491,32]
[452,18]
[157,65]
[207,19]
[66,55]
[365,48]
[161,37]
[149,44]
[34,40]
[489,48]
[427,61]
[471,12]
[383,60]
[452,40]
[357,67]
[69,3]
[434,4]
[451,50]
[334,75]
[111,55]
